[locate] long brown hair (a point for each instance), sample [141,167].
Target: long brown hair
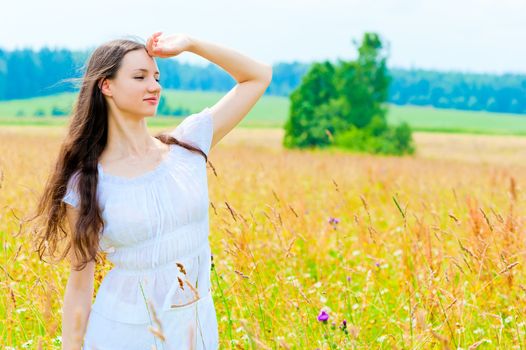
[79,153]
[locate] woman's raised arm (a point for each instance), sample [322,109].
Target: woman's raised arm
[253,77]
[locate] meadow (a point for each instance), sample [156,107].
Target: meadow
[317,249]
[272,112]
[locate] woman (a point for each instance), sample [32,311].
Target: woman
[143,200]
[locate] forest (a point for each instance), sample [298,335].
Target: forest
[28,73]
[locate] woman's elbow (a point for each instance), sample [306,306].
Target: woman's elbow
[82,279]
[268,73]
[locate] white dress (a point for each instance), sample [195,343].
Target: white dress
[154,223]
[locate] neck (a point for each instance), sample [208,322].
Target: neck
[128,136]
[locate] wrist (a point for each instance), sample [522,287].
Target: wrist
[193,44]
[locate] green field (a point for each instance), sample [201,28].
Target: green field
[272,111]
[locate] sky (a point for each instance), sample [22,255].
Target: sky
[482,36]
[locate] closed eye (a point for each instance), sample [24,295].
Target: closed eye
[157,80]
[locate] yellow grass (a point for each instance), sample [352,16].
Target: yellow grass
[428,251]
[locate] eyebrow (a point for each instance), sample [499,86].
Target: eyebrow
[146,70]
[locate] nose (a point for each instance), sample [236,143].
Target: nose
[155,86]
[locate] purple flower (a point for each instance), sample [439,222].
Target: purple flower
[343,326]
[348,278]
[323,316]
[333,221]
[377,264]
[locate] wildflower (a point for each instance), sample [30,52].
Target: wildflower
[323,316]
[334,221]
[27,344]
[381,338]
[343,326]
[57,340]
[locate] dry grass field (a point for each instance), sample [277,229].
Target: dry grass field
[420,252]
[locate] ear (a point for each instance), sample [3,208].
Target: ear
[104,86]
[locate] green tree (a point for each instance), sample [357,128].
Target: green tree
[305,127]
[364,82]
[343,104]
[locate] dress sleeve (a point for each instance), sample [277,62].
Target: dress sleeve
[71,197]
[196,129]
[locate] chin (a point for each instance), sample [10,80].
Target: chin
[151,114]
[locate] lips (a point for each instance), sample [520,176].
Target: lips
[152,101]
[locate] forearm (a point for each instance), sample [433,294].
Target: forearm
[75,313]
[242,68]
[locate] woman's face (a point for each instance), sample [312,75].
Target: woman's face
[135,82]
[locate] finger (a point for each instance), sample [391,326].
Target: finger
[150,42]
[153,39]
[154,36]
[150,48]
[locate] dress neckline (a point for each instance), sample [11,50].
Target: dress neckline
[144,177]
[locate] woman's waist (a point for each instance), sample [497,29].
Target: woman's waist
[187,236]
[138,263]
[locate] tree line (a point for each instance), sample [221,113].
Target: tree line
[28,73]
